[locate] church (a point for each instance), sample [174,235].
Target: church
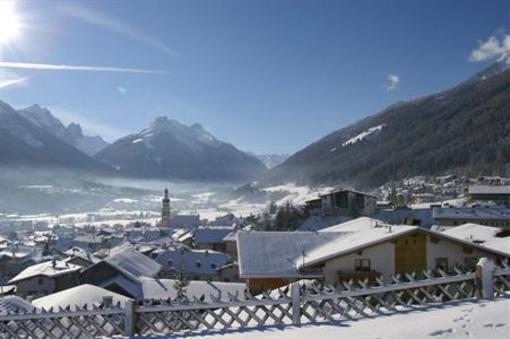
[176,221]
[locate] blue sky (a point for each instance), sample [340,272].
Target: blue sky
[267,76]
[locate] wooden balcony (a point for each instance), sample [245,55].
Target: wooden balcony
[358,275]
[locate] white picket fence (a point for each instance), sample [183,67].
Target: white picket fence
[292,305]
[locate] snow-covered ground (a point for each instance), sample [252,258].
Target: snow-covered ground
[123,205]
[479,319]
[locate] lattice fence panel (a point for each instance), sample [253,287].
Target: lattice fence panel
[64,323]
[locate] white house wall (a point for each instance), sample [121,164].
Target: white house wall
[382,259]
[446,249]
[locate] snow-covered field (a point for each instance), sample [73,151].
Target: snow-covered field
[121,205]
[479,319]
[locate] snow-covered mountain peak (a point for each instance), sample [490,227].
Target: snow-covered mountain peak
[163,127]
[72,134]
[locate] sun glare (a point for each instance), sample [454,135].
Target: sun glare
[9,22]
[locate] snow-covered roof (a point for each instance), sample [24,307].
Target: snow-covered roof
[128,259]
[232,236]
[198,262]
[352,235]
[132,286]
[184,221]
[13,304]
[48,269]
[472,213]
[397,215]
[20,252]
[353,225]
[474,232]
[157,289]
[79,252]
[350,190]
[273,254]
[88,239]
[182,234]
[213,234]
[486,189]
[499,244]
[78,296]
[482,235]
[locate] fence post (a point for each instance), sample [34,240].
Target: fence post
[484,278]
[129,322]
[296,304]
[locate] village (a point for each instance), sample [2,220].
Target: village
[180,256]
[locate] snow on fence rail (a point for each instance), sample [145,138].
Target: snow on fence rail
[295,305]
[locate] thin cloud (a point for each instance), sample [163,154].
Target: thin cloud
[494,48]
[54,67]
[113,24]
[392,82]
[4,83]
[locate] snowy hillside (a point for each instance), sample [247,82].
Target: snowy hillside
[371,132]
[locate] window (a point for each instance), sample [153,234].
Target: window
[40,281]
[442,263]
[198,263]
[362,265]
[170,262]
[213,266]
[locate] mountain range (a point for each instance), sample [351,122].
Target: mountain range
[165,149]
[169,149]
[24,143]
[71,134]
[463,130]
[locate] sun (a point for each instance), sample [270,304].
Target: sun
[9,21]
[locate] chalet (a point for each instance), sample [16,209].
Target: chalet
[211,237]
[486,216]
[344,202]
[499,194]
[46,277]
[363,248]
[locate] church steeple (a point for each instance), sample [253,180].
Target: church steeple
[165,211]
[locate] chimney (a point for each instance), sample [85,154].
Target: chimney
[107,300]
[54,263]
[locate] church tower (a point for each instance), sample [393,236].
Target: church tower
[165,211]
